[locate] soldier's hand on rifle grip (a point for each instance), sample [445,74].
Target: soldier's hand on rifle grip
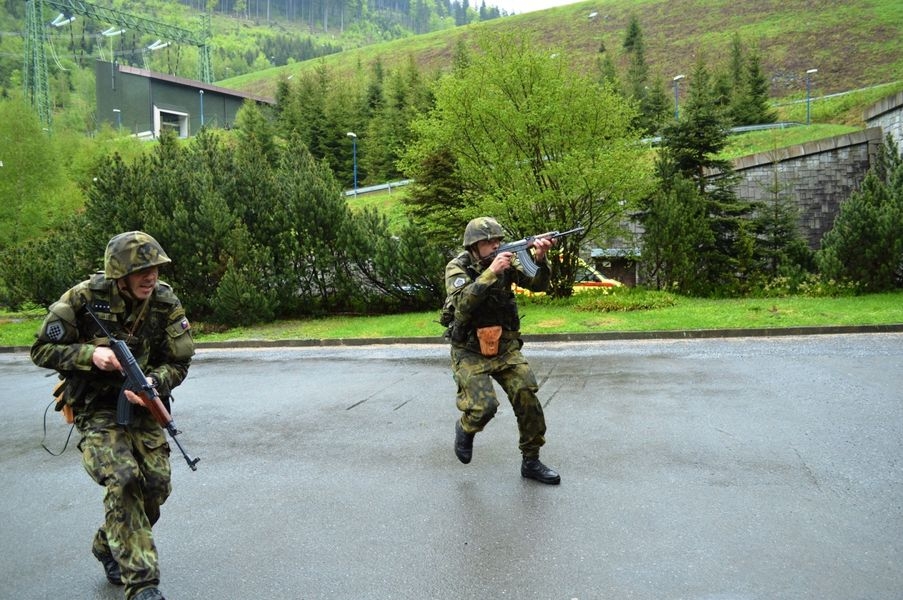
[134,398]
[105,359]
[501,263]
[541,246]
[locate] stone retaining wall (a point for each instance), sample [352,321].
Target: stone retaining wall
[817,175]
[888,115]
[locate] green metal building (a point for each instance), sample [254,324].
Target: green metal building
[146,103]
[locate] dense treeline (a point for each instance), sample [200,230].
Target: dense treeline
[379,105]
[257,229]
[419,16]
[329,26]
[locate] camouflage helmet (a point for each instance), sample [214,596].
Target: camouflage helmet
[132,251]
[482,228]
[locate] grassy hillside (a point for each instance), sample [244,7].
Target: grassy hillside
[853,44]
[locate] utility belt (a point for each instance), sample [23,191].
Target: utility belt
[488,341]
[77,391]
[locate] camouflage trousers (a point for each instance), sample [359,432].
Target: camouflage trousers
[132,465]
[476,397]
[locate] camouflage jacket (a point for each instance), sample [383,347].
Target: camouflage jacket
[481,298]
[160,339]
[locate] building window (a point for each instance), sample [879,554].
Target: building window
[170,120]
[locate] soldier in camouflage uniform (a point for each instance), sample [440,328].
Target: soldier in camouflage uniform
[485,342]
[131,462]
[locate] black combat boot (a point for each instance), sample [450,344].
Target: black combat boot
[150,593]
[110,567]
[532,468]
[463,444]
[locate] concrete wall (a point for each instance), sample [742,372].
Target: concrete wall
[888,115]
[818,176]
[133,99]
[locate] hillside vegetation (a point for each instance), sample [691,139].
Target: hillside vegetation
[854,44]
[244,36]
[541,94]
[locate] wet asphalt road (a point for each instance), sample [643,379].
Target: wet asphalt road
[717,469]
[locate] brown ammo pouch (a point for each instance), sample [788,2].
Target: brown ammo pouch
[59,394]
[489,339]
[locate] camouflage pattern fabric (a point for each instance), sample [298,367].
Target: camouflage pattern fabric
[481,298]
[476,397]
[130,252]
[162,345]
[482,228]
[130,462]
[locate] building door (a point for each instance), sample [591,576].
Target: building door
[170,120]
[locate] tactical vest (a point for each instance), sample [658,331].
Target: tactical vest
[499,306]
[140,334]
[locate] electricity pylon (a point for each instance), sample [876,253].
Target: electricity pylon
[37,85]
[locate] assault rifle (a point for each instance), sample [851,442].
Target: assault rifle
[522,249]
[137,382]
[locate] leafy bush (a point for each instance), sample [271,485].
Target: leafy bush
[238,301]
[866,244]
[39,271]
[807,284]
[622,299]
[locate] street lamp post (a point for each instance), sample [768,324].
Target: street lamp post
[677,79]
[118,114]
[201,93]
[353,137]
[809,94]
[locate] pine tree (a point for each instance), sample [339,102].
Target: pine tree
[693,144]
[695,141]
[608,75]
[866,244]
[781,249]
[751,104]
[651,98]
[675,231]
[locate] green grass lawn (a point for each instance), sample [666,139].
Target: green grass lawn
[773,140]
[665,312]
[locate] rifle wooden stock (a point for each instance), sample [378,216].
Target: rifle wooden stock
[158,411]
[154,404]
[136,381]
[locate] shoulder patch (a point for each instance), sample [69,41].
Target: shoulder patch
[179,327]
[54,331]
[459,282]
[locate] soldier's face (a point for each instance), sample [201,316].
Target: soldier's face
[487,247]
[141,284]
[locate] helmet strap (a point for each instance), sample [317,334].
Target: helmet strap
[127,292]
[124,287]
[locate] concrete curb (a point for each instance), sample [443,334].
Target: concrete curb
[551,337]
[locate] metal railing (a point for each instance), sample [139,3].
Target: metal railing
[379,187]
